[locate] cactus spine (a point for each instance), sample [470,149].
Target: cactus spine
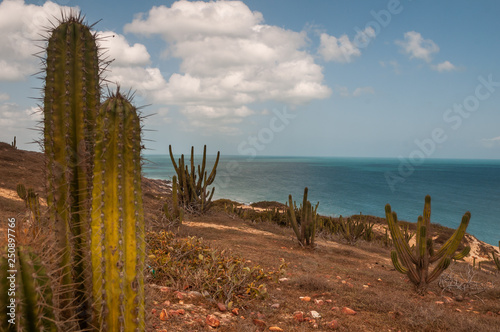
[416,264]
[34,296]
[193,188]
[117,236]
[307,218]
[70,104]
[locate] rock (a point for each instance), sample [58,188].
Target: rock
[235,311]
[221,307]
[194,294]
[319,302]
[333,325]
[164,289]
[335,308]
[181,312]
[298,316]
[315,314]
[166,303]
[439,302]
[275,328]
[259,322]
[275,305]
[153,311]
[212,321]
[458,310]
[305,298]
[164,315]
[459,298]
[348,311]
[283,279]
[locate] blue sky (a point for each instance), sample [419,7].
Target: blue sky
[400,79]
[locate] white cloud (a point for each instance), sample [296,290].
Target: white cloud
[21,24]
[418,47]
[358,92]
[341,49]
[4,97]
[444,66]
[229,59]
[121,52]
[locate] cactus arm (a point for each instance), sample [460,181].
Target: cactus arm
[293,219]
[400,268]
[451,245]
[442,265]
[462,254]
[211,177]
[397,237]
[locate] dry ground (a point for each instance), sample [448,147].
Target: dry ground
[334,275]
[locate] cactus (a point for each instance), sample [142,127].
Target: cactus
[193,188]
[416,263]
[496,259]
[70,103]
[117,226]
[14,144]
[305,216]
[32,202]
[34,296]
[21,192]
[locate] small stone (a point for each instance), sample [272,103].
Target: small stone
[365,286]
[319,302]
[439,302]
[447,299]
[328,301]
[166,303]
[221,307]
[181,312]
[275,305]
[212,321]
[458,310]
[298,316]
[259,322]
[194,294]
[305,298]
[164,315]
[379,279]
[315,314]
[153,311]
[333,325]
[348,311]
[235,311]
[164,289]
[335,309]
[275,328]
[283,279]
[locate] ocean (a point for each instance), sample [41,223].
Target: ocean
[347,186]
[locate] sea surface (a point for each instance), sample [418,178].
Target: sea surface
[347,186]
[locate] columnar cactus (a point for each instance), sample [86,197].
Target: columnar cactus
[306,217]
[34,308]
[193,188]
[416,263]
[117,226]
[70,104]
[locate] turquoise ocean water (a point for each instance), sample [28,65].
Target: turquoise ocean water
[347,186]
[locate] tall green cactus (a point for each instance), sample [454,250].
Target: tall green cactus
[117,227]
[193,188]
[305,216]
[416,263]
[34,307]
[70,104]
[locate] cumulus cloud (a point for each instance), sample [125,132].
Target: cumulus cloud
[229,59]
[358,92]
[444,66]
[418,47]
[21,25]
[342,49]
[118,49]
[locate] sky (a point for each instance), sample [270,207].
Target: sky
[397,79]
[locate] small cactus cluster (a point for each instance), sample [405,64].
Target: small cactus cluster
[305,216]
[193,187]
[32,201]
[354,229]
[14,144]
[177,214]
[416,263]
